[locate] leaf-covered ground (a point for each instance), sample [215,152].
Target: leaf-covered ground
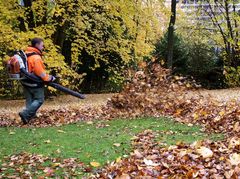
[153,91]
[152,159]
[77,149]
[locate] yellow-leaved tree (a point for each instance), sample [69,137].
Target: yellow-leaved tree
[90,43]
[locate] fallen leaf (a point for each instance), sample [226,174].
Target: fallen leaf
[61,131]
[11,133]
[49,172]
[54,165]
[217,118]
[117,144]
[205,152]
[221,113]
[234,159]
[234,142]
[123,176]
[47,141]
[195,116]
[137,154]
[149,162]
[58,151]
[95,164]
[119,159]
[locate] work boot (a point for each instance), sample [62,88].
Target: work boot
[24,119]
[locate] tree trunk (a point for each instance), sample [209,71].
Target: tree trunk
[232,54]
[236,25]
[22,26]
[171,35]
[29,13]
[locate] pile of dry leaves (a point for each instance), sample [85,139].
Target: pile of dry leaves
[155,92]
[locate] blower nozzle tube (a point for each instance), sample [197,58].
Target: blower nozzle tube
[54,85]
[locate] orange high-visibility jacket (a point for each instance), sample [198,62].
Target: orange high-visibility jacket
[35,64]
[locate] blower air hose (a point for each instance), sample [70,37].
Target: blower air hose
[66,90]
[52,84]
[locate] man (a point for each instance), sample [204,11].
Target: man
[34,91]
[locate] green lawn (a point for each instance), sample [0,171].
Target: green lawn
[93,142]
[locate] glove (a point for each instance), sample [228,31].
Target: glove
[53,79]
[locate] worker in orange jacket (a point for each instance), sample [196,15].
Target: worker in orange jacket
[34,91]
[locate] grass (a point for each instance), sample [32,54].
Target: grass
[94,142]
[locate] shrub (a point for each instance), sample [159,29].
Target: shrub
[196,59]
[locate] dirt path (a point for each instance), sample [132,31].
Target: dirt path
[67,101]
[220,94]
[14,106]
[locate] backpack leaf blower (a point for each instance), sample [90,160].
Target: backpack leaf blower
[18,70]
